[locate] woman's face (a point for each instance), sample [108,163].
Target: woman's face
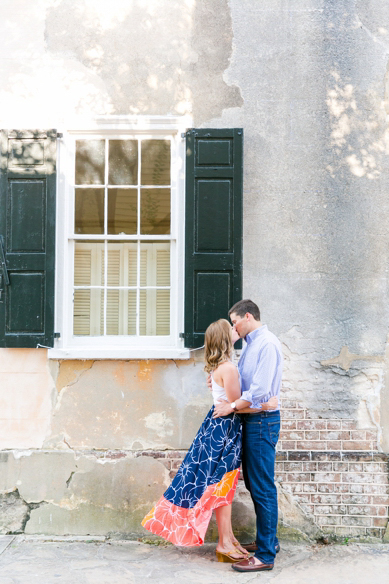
[234,335]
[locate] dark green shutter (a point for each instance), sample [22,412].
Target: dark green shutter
[213,226]
[27,227]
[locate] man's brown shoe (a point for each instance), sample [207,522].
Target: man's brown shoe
[251,565]
[252,547]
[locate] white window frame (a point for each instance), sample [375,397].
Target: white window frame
[69,346]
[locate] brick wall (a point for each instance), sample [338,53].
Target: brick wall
[333,470]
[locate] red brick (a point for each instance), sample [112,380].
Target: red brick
[380,500]
[358,435]
[375,532]
[176,454]
[299,478]
[349,425]
[355,467]
[351,477]
[310,488]
[293,466]
[375,467]
[292,435]
[341,488]
[176,464]
[288,424]
[382,511]
[371,435]
[334,435]
[376,489]
[329,520]
[309,466]
[357,499]
[362,510]
[311,424]
[330,509]
[380,522]
[334,445]
[172,474]
[356,488]
[286,445]
[359,520]
[326,488]
[288,404]
[356,531]
[357,456]
[312,435]
[327,477]
[299,455]
[334,424]
[310,445]
[354,445]
[324,466]
[341,466]
[326,499]
[281,455]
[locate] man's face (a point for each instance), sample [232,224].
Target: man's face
[241,324]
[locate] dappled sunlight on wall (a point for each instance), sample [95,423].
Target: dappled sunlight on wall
[359,132]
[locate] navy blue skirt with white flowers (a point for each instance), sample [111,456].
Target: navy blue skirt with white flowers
[206,479]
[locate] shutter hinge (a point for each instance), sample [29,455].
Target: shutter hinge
[183,134]
[182,335]
[59,135]
[57,335]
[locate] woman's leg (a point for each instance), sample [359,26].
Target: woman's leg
[227,539]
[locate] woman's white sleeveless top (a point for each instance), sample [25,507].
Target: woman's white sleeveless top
[218,392]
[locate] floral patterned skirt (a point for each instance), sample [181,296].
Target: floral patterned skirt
[206,479]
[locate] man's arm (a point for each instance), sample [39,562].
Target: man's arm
[264,374]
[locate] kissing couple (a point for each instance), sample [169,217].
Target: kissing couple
[242,427]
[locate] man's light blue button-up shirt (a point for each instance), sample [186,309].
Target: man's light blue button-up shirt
[260,367]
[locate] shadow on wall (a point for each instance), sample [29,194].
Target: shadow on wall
[152,58]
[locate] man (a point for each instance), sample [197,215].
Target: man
[260,368]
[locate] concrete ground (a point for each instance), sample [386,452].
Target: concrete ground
[37,560]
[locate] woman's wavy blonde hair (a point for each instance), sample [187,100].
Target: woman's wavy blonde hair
[218,344]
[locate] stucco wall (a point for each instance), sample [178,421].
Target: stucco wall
[308,82]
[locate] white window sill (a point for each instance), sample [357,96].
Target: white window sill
[119,353]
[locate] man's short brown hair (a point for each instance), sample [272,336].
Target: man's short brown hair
[243,306]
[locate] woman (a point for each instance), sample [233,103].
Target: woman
[208,475]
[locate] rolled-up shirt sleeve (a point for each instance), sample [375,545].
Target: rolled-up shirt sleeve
[261,384]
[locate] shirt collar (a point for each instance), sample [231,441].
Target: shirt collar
[250,337]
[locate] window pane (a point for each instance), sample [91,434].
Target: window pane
[123,162]
[113,315]
[155,167]
[89,211]
[88,263]
[131,312]
[154,264]
[90,162]
[155,211]
[132,264]
[122,211]
[154,312]
[87,312]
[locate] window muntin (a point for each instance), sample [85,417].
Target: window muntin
[122,281]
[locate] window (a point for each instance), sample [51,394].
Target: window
[123,253]
[123,240]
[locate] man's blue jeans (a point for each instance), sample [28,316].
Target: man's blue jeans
[260,436]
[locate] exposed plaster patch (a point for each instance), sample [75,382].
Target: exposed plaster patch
[159,423]
[345,359]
